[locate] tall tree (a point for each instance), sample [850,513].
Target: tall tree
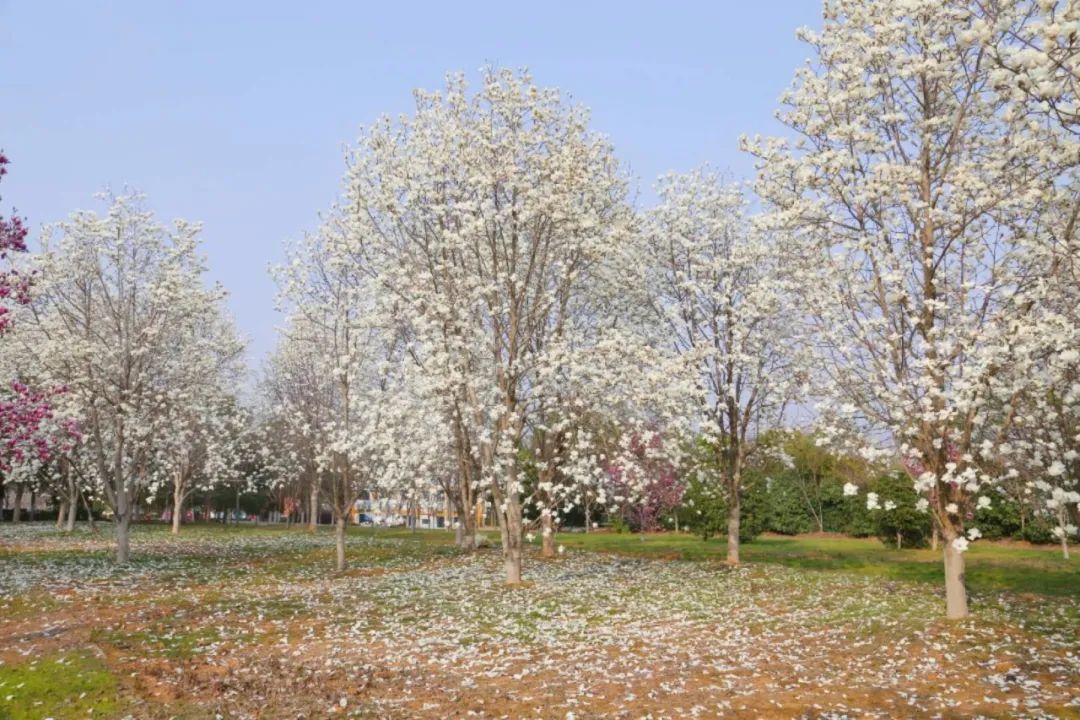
[488,221]
[719,288]
[915,189]
[118,300]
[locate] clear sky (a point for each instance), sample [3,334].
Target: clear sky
[236,113]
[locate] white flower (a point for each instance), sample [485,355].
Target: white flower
[922,504]
[872,501]
[562,549]
[983,503]
[851,489]
[890,505]
[960,544]
[529,537]
[1056,468]
[974,533]
[952,509]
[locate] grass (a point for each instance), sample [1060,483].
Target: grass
[991,567]
[252,622]
[70,686]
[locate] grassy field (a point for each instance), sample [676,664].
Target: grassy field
[991,567]
[250,623]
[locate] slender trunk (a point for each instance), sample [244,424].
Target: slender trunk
[89,512]
[733,524]
[60,513]
[508,515]
[899,539]
[339,542]
[548,535]
[956,602]
[72,511]
[1063,521]
[33,503]
[934,537]
[466,531]
[123,539]
[178,507]
[588,516]
[16,511]
[512,563]
[820,523]
[313,508]
[122,524]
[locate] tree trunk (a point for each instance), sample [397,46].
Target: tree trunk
[1063,520]
[16,511]
[548,535]
[733,526]
[899,539]
[956,603]
[60,512]
[512,562]
[33,503]
[588,516]
[123,537]
[508,515]
[339,542]
[89,512]
[72,511]
[934,537]
[467,528]
[313,508]
[178,507]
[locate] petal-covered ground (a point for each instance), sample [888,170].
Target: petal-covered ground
[250,624]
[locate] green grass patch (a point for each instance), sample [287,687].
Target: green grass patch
[991,567]
[71,686]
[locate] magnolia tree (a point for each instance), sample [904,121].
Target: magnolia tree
[720,290]
[198,449]
[299,395]
[25,413]
[490,223]
[603,401]
[201,414]
[358,351]
[1043,422]
[916,189]
[118,301]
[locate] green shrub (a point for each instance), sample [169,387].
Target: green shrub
[897,521]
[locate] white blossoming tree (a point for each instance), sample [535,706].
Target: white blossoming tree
[915,188]
[119,302]
[490,222]
[724,298]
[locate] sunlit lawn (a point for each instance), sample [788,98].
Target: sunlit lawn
[246,622]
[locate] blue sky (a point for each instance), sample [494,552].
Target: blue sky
[236,114]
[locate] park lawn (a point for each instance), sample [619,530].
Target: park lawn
[250,622]
[991,566]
